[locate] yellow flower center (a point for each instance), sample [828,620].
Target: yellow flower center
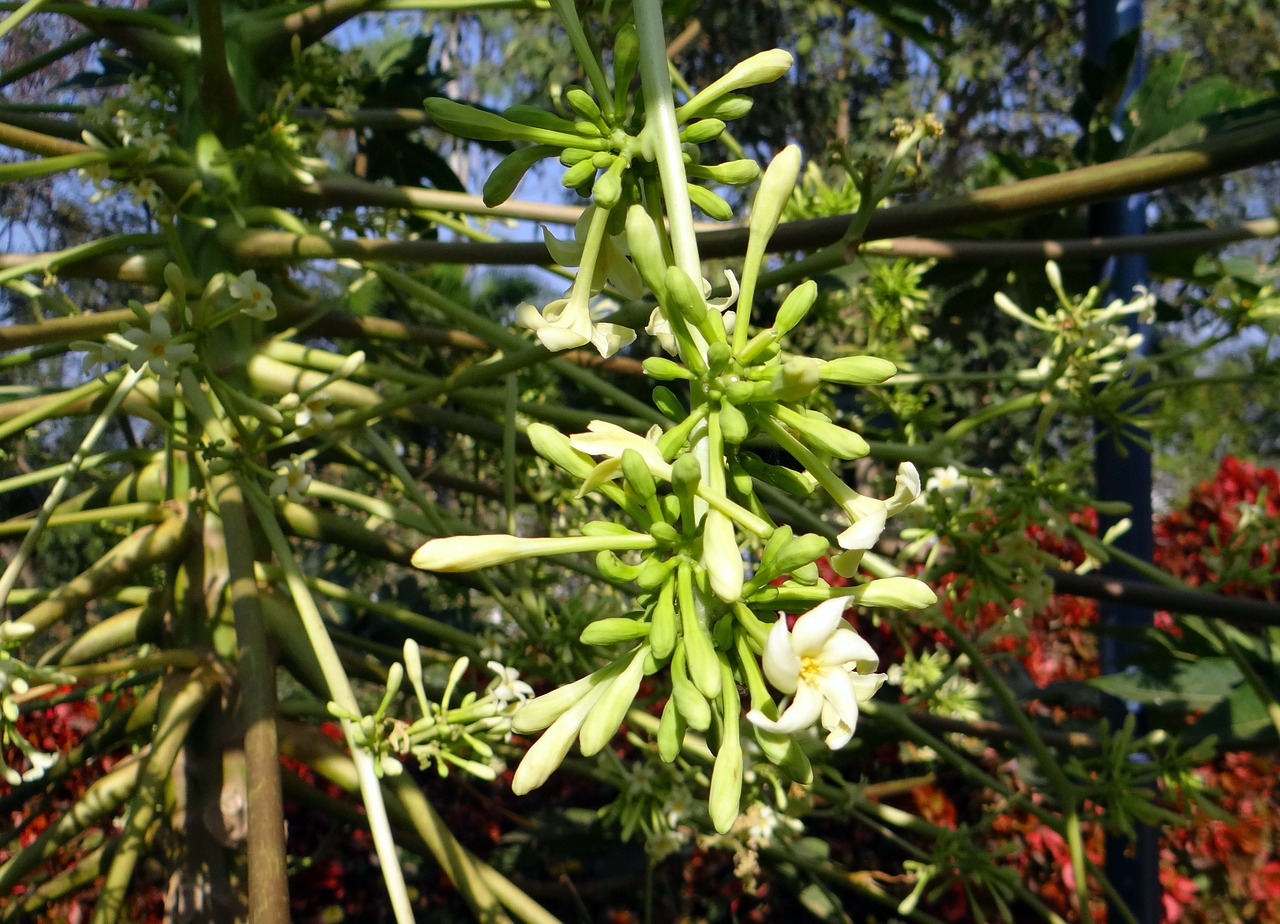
[810,669]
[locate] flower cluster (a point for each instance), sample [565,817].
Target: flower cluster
[692,488]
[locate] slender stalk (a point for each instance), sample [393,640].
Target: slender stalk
[19,559]
[662,135]
[153,776]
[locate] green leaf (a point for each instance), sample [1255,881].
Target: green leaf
[1197,685]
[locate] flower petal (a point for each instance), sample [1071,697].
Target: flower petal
[814,628]
[780,661]
[847,647]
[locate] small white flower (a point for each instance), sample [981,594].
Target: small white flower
[155,348]
[145,191]
[664,844]
[946,479]
[254,297]
[567,323]
[826,667]
[507,687]
[678,807]
[153,145]
[291,480]
[613,264]
[868,514]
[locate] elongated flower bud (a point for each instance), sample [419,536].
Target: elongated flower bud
[689,700]
[549,751]
[902,592]
[796,378]
[857,370]
[795,306]
[765,67]
[580,101]
[607,714]
[725,798]
[613,629]
[702,131]
[824,436]
[554,446]
[710,203]
[671,730]
[662,619]
[469,553]
[721,556]
[774,193]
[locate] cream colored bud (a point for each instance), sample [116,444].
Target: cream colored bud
[721,556]
[797,378]
[469,553]
[606,715]
[902,592]
[765,67]
[857,370]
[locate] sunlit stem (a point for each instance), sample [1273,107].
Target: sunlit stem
[663,134]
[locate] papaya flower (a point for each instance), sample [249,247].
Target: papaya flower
[568,323]
[827,670]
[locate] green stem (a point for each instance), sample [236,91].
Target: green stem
[169,737]
[567,11]
[662,135]
[19,559]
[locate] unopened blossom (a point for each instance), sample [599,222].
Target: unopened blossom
[291,480]
[507,687]
[826,668]
[254,297]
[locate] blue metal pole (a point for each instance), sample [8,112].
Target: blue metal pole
[1122,470]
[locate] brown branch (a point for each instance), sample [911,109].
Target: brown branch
[1154,597]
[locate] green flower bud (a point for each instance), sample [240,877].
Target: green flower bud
[796,379]
[733,424]
[571,156]
[692,704]
[739,392]
[671,728]
[765,67]
[588,129]
[613,629]
[788,555]
[659,367]
[606,715]
[796,764]
[700,653]
[534,117]
[731,173]
[797,484]
[511,170]
[580,101]
[636,471]
[664,532]
[774,193]
[686,474]
[702,131]
[795,306]
[578,174]
[724,799]
[721,556]
[626,60]
[710,203]
[684,296]
[554,446]
[731,107]
[615,569]
[857,370]
[647,250]
[666,401]
[662,618]
[901,592]
[821,434]
[718,355]
[655,571]
[603,159]
[607,190]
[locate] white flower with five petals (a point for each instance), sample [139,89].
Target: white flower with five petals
[826,668]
